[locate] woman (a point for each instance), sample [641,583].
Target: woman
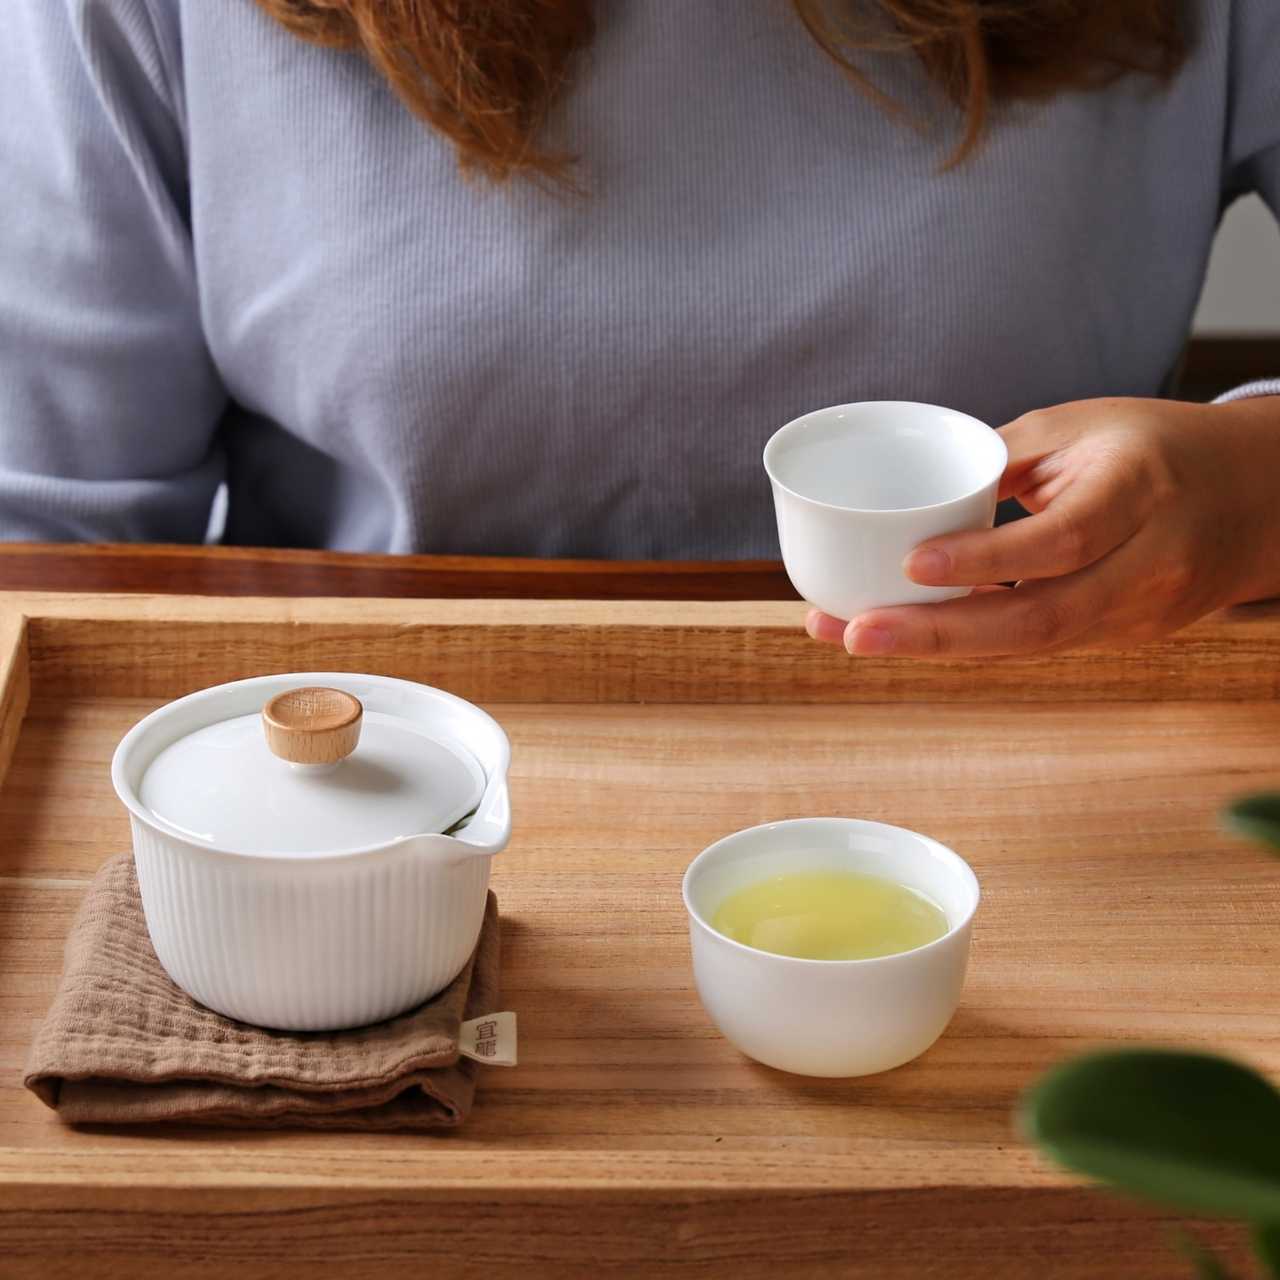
[556,305]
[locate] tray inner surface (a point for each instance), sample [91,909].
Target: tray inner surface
[1112,908]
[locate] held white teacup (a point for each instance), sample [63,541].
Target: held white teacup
[830,1017]
[856,487]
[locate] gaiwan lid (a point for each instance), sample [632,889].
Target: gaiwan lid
[312,773]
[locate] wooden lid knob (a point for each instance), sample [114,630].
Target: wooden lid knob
[313,725]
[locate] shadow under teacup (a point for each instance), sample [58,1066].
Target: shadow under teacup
[830,1017]
[858,486]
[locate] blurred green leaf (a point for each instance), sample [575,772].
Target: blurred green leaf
[1266,1244]
[1209,1268]
[1202,1258]
[1189,1130]
[1257,817]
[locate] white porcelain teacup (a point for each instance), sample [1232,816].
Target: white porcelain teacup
[830,1017]
[856,487]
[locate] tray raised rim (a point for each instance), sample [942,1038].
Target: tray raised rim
[597,651]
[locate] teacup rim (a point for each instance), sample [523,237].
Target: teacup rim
[863,824]
[771,443]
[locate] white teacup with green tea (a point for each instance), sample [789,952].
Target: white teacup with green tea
[830,946]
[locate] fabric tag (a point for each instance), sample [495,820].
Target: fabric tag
[491,1039]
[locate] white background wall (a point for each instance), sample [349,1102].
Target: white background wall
[1242,293]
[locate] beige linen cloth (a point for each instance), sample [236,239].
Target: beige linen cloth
[123,1045]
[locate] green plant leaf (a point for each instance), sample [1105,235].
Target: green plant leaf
[1189,1130]
[1257,817]
[1203,1259]
[1266,1244]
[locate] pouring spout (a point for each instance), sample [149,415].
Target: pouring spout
[479,835]
[489,828]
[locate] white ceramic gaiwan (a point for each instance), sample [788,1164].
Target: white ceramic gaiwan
[292,866]
[830,1017]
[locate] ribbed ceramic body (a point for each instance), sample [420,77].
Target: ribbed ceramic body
[317,946]
[316,943]
[830,1017]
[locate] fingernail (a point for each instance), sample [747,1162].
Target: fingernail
[868,640]
[930,565]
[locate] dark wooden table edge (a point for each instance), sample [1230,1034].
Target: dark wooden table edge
[162,569]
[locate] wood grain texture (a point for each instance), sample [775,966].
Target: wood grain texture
[620,651]
[632,1140]
[156,569]
[1211,366]
[569,1235]
[15,682]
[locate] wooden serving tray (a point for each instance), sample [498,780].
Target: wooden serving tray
[1083,790]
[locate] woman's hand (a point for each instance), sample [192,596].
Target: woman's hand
[1146,514]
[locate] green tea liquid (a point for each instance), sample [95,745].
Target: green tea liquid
[830,915]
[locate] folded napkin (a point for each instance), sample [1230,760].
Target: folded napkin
[123,1045]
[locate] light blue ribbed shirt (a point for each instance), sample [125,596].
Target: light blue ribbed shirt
[226,256]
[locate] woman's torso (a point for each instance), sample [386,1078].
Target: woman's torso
[417,361]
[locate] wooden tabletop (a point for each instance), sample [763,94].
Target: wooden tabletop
[252,571]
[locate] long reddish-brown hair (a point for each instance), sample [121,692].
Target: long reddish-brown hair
[487,75]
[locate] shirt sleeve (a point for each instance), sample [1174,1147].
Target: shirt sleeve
[109,400]
[1246,391]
